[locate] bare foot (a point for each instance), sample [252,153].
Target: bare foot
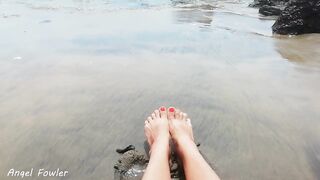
[157,130]
[180,129]
[195,166]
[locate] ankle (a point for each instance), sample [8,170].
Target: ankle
[161,145]
[186,146]
[184,140]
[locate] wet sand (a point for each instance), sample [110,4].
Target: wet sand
[78,79]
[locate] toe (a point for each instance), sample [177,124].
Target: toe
[149,119]
[147,127]
[184,116]
[163,112]
[177,114]
[153,115]
[171,112]
[189,122]
[157,113]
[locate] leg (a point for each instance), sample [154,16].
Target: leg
[157,133]
[195,166]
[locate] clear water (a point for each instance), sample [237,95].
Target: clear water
[78,78]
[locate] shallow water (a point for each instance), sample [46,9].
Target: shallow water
[78,78]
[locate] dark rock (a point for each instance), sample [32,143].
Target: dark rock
[299,17]
[270,7]
[260,3]
[270,10]
[129,159]
[123,150]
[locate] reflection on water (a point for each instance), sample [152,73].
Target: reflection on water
[78,79]
[190,16]
[195,14]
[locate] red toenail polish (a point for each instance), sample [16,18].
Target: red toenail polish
[171,109]
[162,109]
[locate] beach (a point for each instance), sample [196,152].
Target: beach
[78,79]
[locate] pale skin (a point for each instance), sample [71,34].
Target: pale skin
[159,128]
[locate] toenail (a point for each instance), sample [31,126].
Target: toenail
[163,108]
[171,109]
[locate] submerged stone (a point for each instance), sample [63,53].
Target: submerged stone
[129,159]
[131,164]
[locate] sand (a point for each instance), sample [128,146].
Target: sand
[78,79]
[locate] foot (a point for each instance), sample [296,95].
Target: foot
[157,130]
[180,129]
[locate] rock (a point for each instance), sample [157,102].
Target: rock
[129,159]
[123,150]
[260,3]
[270,7]
[270,10]
[299,17]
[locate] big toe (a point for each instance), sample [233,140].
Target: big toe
[171,112]
[163,112]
